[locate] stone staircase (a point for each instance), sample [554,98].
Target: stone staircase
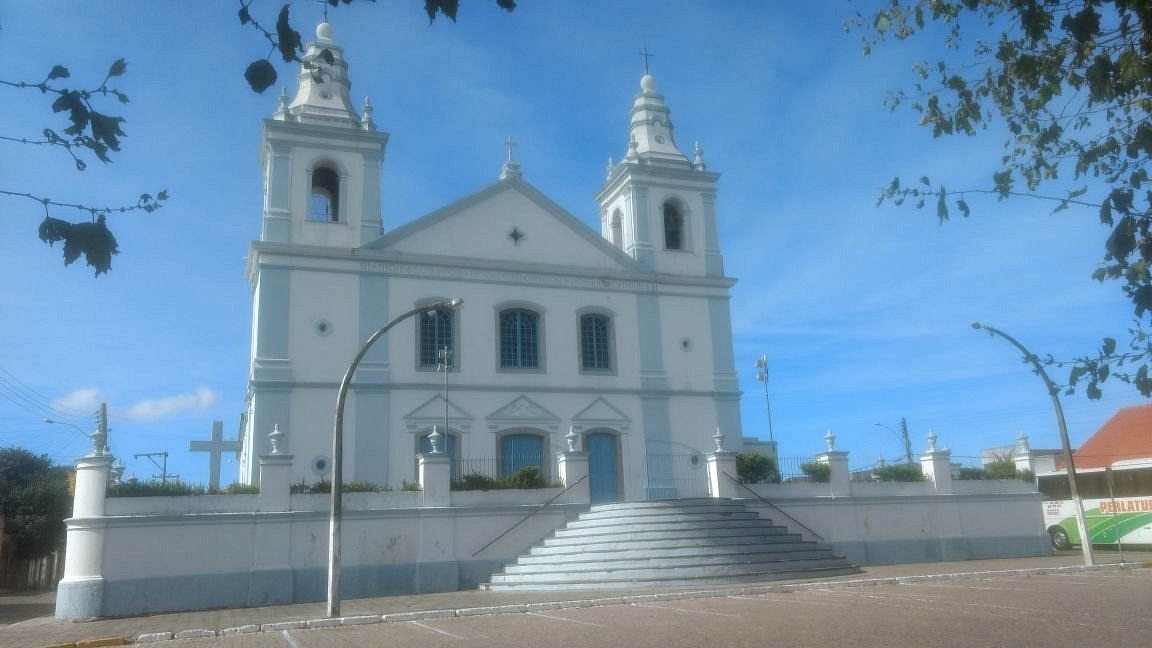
[667,543]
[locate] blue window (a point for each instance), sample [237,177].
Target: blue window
[595,343]
[436,334]
[519,339]
[519,451]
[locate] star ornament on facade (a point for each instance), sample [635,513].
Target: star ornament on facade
[516,235]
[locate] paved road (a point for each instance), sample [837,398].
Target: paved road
[1108,608]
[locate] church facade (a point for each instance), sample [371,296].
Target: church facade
[622,336]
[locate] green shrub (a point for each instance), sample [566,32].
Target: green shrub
[410,486]
[1002,467]
[756,468]
[817,471]
[971,474]
[137,488]
[362,487]
[526,477]
[901,472]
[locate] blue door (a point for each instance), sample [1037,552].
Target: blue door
[603,467]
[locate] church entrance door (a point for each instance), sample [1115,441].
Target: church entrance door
[603,467]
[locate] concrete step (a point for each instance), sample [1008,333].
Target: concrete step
[668,543]
[670,525]
[674,544]
[550,564]
[752,577]
[662,517]
[700,535]
[738,568]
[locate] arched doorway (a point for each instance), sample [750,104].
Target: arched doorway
[603,450]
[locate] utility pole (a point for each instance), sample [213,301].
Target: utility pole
[162,464]
[907,442]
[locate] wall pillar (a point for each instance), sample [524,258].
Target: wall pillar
[80,594]
[275,482]
[722,474]
[573,468]
[839,478]
[937,465]
[435,478]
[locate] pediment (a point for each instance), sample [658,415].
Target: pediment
[522,411]
[601,413]
[509,221]
[431,412]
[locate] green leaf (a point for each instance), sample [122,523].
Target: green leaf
[58,72]
[287,39]
[260,75]
[942,206]
[118,68]
[963,207]
[245,17]
[446,7]
[1109,346]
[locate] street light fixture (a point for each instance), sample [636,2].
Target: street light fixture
[762,376]
[1054,392]
[338,451]
[903,436]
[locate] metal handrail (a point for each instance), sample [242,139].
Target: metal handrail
[782,512]
[540,508]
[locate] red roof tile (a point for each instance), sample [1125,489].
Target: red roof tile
[1127,435]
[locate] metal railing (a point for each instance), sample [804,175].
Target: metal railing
[534,512]
[773,506]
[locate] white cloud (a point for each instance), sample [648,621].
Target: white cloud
[81,399]
[154,409]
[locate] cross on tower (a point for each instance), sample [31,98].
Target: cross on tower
[645,55]
[511,144]
[215,447]
[324,3]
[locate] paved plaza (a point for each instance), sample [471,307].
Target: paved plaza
[1026,597]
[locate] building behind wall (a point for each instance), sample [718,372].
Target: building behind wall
[622,335]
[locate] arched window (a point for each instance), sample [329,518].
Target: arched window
[519,339]
[595,342]
[520,451]
[325,203]
[436,334]
[673,227]
[616,227]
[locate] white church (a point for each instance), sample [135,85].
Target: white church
[622,336]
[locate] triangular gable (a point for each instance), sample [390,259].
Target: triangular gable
[507,221]
[522,411]
[432,413]
[1126,436]
[602,413]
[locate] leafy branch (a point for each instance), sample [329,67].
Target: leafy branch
[92,239]
[90,128]
[1071,83]
[283,38]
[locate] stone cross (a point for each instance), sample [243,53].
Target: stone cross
[215,447]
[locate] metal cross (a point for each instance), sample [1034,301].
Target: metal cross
[511,144]
[645,55]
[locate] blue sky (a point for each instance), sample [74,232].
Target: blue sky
[864,312]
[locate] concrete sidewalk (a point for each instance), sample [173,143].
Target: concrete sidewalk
[30,624]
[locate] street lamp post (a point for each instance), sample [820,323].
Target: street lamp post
[338,452]
[762,376]
[1054,392]
[903,436]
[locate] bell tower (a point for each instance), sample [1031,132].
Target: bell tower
[656,205]
[321,159]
